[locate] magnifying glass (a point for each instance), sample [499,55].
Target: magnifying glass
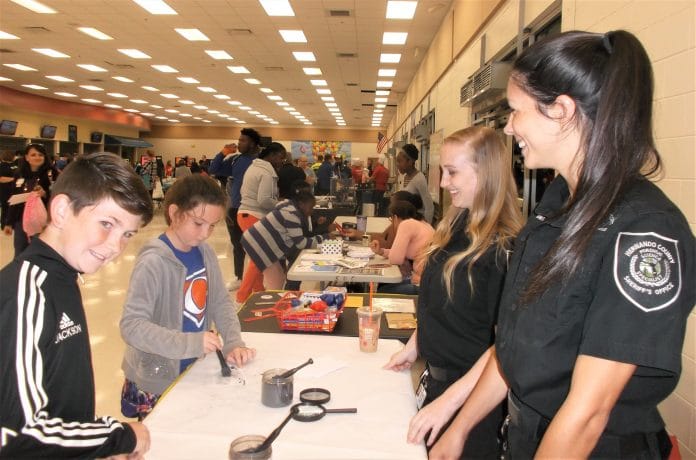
[315,396]
[308,412]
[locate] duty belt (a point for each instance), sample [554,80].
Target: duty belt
[444,374]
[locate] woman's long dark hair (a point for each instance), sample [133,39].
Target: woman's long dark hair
[610,78]
[24,169]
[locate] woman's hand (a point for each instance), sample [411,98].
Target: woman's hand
[430,418]
[402,360]
[7,229]
[449,447]
[40,190]
[374,245]
[211,342]
[241,355]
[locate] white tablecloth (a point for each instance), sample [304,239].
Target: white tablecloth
[301,271]
[204,412]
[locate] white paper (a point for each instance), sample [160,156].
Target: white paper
[19,198]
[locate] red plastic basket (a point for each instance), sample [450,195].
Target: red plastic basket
[290,319]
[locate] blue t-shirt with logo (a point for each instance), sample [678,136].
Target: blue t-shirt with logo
[195,291]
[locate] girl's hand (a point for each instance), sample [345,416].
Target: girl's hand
[430,418]
[241,355]
[401,360]
[211,342]
[374,245]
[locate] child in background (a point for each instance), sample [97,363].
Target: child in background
[176,292]
[47,386]
[269,240]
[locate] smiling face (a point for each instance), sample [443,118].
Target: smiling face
[404,163]
[190,228]
[95,235]
[35,159]
[459,173]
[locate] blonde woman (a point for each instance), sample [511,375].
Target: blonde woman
[465,265]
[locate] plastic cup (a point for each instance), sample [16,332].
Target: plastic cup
[276,391]
[368,328]
[361,223]
[249,441]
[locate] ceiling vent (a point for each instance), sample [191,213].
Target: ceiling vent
[339,13]
[238,32]
[120,66]
[351,84]
[346,55]
[368,91]
[274,69]
[37,29]
[5,50]
[489,80]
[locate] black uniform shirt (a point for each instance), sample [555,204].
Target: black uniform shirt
[46,377]
[627,303]
[454,333]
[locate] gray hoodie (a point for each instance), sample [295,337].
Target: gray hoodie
[152,316]
[259,189]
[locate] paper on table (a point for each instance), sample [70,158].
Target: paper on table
[354,301]
[394,304]
[323,366]
[19,198]
[310,256]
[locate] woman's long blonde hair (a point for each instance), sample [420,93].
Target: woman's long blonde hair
[494,217]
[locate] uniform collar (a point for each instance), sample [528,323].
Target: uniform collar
[550,208]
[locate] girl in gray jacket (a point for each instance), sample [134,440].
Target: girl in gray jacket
[176,293]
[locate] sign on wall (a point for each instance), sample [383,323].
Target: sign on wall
[311,149]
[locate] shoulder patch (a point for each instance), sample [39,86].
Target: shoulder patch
[647,269]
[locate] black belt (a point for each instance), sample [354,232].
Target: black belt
[444,374]
[532,422]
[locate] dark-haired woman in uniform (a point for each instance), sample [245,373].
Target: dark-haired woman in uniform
[414,181]
[593,315]
[460,286]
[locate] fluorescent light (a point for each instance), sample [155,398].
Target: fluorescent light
[394,38]
[207,89]
[382,92]
[95,33]
[50,52]
[318,82]
[234,103]
[252,81]
[390,58]
[5,79]
[379,110]
[328,98]
[7,36]
[35,6]
[240,122]
[123,79]
[171,111]
[245,107]
[238,69]
[34,87]
[220,55]
[213,111]
[323,91]
[401,9]
[155,106]
[386,73]
[380,106]
[200,107]
[277,7]
[282,103]
[132,110]
[334,109]
[192,35]
[150,88]
[92,67]
[165,68]
[304,56]
[222,96]
[306,122]
[207,121]
[311,70]
[223,115]
[169,95]
[173,120]
[293,36]
[186,102]
[266,90]
[295,113]
[188,80]
[118,95]
[133,53]
[384,84]
[147,114]
[155,6]
[160,117]
[289,109]
[112,106]
[92,101]
[381,99]
[275,98]
[197,118]
[330,104]
[254,112]
[138,101]
[59,78]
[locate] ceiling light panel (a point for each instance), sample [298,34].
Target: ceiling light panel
[207,89]
[165,68]
[192,35]
[238,69]
[117,95]
[123,79]
[382,92]
[59,78]
[386,73]
[50,52]
[394,38]
[390,58]
[5,79]
[22,67]
[323,91]
[34,87]
[169,95]
[304,56]
[134,53]
[95,33]
[318,82]
[252,81]
[155,6]
[275,97]
[384,84]
[381,99]
[311,70]
[186,102]
[277,7]
[7,36]
[91,101]
[189,80]
[401,9]
[219,55]
[36,7]
[293,36]
[91,67]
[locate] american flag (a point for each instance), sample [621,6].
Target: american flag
[381,142]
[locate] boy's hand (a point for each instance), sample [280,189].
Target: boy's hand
[211,342]
[241,355]
[142,440]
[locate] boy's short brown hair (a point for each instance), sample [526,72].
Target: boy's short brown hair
[91,178]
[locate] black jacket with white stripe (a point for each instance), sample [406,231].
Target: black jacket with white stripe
[46,377]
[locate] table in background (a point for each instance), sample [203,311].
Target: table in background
[374,224]
[347,324]
[201,415]
[390,274]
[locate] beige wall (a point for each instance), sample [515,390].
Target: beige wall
[667,30]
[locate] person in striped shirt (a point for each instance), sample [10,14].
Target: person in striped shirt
[281,230]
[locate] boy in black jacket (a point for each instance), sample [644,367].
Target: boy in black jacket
[46,378]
